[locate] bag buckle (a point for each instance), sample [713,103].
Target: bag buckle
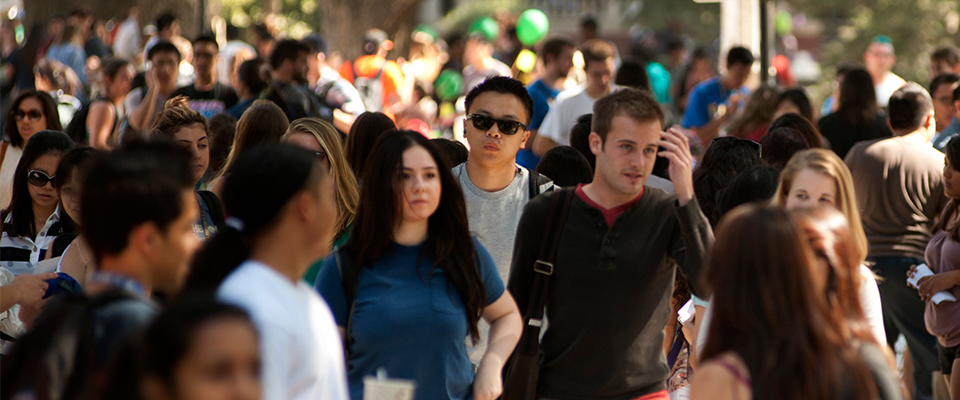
[543,267]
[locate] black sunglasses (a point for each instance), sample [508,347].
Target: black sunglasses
[753,144]
[33,115]
[39,178]
[506,126]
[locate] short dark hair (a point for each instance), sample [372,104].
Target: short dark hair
[207,39]
[757,183]
[799,97]
[909,105]
[596,50]
[455,152]
[943,79]
[252,74]
[580,138]
[164,47]
[739,55]
[641,106]
[588,22]
[113,65]
[634,75]
[164,20]
[287,49]
[136,183]
[552,48]
[947,54]
[780,144]
[50,111]
[504,85]
[566,166]
[316,43]
[233,32]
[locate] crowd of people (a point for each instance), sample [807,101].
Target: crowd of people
[215,218]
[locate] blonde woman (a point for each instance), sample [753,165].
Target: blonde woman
[323,139]
[818,177]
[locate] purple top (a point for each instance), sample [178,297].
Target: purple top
[943,320]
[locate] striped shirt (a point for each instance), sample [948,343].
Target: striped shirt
[20,254]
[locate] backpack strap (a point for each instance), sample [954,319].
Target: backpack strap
[536,181]
[216,208]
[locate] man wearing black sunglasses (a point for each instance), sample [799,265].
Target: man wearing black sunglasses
[494,186]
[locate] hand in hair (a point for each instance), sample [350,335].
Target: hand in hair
[676,148]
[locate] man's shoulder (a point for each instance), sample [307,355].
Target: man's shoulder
[706,87]
[571,93]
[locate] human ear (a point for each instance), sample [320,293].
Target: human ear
[596,143]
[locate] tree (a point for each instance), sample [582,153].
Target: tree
[346,21]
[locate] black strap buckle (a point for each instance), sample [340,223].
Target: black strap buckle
[543,267]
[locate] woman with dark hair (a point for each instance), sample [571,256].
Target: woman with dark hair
[70,251]
[579,138]
[222,129]
[62,84]
[943,258]
[33,219]
[757,115]
[196,349]
[415,283]
[565,166]
[271,238]
[31,112]
[363,134]
[802,125]
[634,75]
[725,158]
[780,144]
[251,81]
[263,122]
[186,127]
[858,118]
[774,334]
[794,101]
[102,120]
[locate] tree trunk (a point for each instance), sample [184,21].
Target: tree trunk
[39,11]
[346,21]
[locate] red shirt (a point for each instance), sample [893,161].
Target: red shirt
[610,215]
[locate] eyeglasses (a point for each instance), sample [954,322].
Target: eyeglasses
[322,155]
[39,178]
[946,100]
[33,115]
[506,126]
[753,144]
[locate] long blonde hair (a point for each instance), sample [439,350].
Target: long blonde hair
[348,192]
[826,162]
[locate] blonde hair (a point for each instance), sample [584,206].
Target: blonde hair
[263,122]
[348,192]
[826,162]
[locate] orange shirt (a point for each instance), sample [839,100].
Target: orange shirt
[368,66]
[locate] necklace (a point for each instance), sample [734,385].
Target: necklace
[82,258]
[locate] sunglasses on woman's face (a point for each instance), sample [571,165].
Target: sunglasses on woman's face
[39,178]
[32,115]
[506,126]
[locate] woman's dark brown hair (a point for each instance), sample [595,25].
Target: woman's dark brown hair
[263,122]
[802,125]
[49,111]
[769,313]
[952,152]
[858,97]
[449,242]
[363,135]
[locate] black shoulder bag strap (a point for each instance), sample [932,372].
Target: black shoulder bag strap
[522,372]
[534,186]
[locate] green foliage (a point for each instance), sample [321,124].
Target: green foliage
[917,27]
[296,18]
[700,21]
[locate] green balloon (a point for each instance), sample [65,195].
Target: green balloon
[783,22]
[532,27]
[485,26]
[449,85]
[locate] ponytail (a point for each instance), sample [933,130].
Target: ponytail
[260,184]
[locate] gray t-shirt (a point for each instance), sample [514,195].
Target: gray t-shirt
[493,219]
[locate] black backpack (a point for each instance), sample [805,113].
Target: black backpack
[537,180]
[57,358]
[77,128]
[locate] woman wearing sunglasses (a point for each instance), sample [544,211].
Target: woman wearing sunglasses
[33,219]
[421,283]
[324,140]
[31,112]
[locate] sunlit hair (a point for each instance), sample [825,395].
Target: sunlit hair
[768,311]
[826,162]
[263,122]
[176,115]
[348,194]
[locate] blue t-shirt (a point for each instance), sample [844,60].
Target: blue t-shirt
[543,96]
[704,100]
[408,321]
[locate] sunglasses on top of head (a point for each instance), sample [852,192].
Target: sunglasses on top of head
[39,178]
[506,126]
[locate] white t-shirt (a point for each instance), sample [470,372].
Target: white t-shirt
[562,116]
[885,89]
[7,170]
[300,346]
